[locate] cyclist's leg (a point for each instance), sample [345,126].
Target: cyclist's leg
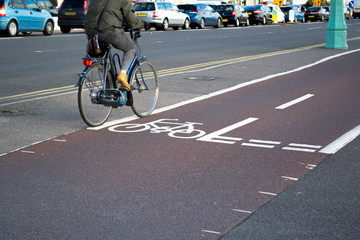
[121,41]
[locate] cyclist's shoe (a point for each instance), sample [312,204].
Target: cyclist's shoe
[122,79]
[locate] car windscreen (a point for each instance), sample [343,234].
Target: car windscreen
[225,8]
[314,9]
[1,3]
[286,8]
[187,7]
[73,4]
[144,6]
[251,8]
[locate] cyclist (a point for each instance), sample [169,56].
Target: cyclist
[115,14]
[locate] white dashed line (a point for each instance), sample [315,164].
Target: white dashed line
[290,178]
[267,193]
[242,211]
[208,231]
[293,102]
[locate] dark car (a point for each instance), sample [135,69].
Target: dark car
[201,15]
[48,6]
[71,14]
[259,14]
[316,13]
[298,14]
[233,14]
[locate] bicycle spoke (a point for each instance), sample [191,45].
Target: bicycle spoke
[145,89]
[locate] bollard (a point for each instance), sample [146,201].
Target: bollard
[336,35]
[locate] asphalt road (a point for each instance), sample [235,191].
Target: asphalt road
[92,184]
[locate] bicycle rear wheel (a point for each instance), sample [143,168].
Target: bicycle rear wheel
[145,88]
[92,112]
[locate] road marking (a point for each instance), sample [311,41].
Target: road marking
[242,211]
[293,102]
[261,143]
[267,193]
[216,136]
[301,147]
[208,231]
[24,151]
[341,141]
[289,178]
[59,140]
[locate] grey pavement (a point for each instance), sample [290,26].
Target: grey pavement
[324,204]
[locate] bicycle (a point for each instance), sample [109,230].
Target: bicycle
[99,91]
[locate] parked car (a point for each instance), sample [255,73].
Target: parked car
[280,14]
[48,6]
[201,15]
[259,14]
[356,9]
[298,14]
[71,14]
[316,13]
[24,16]
[162,15]
[347,13]
[233,14]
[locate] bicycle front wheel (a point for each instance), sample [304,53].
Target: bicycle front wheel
[145,88]
[92,112]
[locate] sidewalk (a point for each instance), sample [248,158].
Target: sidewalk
[324,204]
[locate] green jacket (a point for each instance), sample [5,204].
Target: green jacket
[115,14]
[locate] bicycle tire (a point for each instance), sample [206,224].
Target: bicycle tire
[94,114]
[145,88]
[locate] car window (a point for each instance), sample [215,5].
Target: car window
[187,7]
[73,3]
[144,6]
[224,8]
[161,6]
[30,4]
[17,4]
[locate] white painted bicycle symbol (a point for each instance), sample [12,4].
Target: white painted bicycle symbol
[170,126]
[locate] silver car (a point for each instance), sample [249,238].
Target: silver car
[162,15]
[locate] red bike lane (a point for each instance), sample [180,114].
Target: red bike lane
[162,183]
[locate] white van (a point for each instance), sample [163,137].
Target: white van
[356,12]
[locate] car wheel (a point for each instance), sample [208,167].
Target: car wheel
[295,20]
[264,21]
[322,18]
[247,22]
[237,22]
[202,23]
[65,29]
[165,25]
[186,24]
[12,29]
[49,28]
[303,20]
[218,23]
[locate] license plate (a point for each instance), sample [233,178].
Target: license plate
[311,16]
[224,20]
[70,13]
[142,15]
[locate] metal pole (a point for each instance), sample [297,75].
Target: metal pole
[336,35]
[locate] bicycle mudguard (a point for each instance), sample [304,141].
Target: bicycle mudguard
[81,76]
